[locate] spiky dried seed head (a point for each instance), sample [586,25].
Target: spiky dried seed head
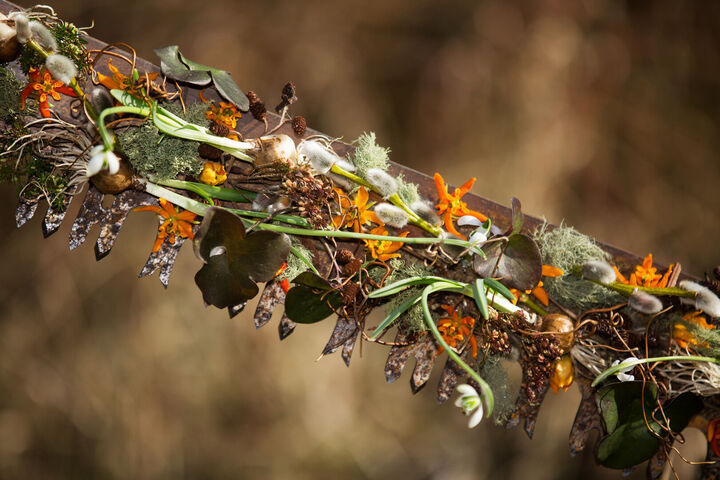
[391,215]
[219,129]
[643,302]
[344,256]
[598,271]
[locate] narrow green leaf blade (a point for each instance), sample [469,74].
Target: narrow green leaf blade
[499,288]
[478,289]
[399,310]
[401,285]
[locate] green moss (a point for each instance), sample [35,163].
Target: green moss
[161,156]
[566,248]
[407,191]
[368,154]
[10,98]
[295,266]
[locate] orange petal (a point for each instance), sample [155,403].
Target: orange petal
[550,271]
[447,217]
[361,197]
[158,243]
[169,209]
[186,216]
[440,184]
[459,192]
[541,295]
[148,208]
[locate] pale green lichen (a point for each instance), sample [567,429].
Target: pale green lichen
[368,154]
[407,191]
[162,157]
[566,248]
[295,266]
[493,372]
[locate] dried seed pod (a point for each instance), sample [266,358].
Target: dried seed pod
[272,149]
[9,45]
[563,328]
[299,125]
[287,98]
[344,256]
[349,292]
[209,152]
[257,107]
[352,268]
[563,374]
[219,129]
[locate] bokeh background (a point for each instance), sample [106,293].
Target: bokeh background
[605,114]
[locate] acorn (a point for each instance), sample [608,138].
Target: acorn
[9,45]
[563,327]
[114,183]
[273,149]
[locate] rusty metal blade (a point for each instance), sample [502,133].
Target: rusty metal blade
[122,205]
[271,295]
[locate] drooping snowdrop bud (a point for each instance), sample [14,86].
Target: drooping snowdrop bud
[626,366]
[704,300]
[22,26]
[61,67]
[426,211]
[391,215]
[469,401]
[43,36]
[643,302]
[469,220]
[101,158]
[598,271]
[320,157]
[382,181]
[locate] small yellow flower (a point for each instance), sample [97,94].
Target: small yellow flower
[355,212]
[225,114]
[454,330]
[120,81]
[213,174]
[450,205]
[384,250]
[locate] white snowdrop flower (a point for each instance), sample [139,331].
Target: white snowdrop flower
[391,215]
[598,271]
[626,365]
[22,26]
[469,220]
[61,67]
[382,181]
[101,158]
[426,211]
[478,237]
[704,300]
[320,157]
[470,402]
[643,302]
[43,36]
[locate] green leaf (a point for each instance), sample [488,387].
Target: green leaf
[233,260]
[499,288]
[172,67]
[518,220]
[399,310]
[401,285]
[311,300]
[229,89]
[310,279]
[478,289]
[517,263]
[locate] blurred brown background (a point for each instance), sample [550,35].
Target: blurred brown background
[602,113]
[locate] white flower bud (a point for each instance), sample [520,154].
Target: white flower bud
[643,302]
[101,158]
[426,211]
[704,300]
[469,401]
[391,215]
[61,68]
[42,35]
[320,158]
[22,26]
[381,181]
[626,365]
[598,271]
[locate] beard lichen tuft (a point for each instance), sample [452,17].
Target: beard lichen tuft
[566,248]
[493,372]
[10,99]
[295,266]
[368,154]
[161,156]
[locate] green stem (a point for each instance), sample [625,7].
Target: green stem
[302,258]
[487,394]
[394,199]
[104,133]
[220,193]
[525,298]
[627,290]
[639,361]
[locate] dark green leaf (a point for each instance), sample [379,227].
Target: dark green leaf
[309,279]
[304,304]
[478,288]
[630,444]
[399,310]
[229,89]
[172,67]
[682,409]
[234,260]
[517,216]
[615,402]
[518,261]
[499,288]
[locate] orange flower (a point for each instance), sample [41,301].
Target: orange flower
[539,291]
[173,223]
[120,81]
[383,250]
[645,275]
[683,337]
[355,212]
[42,82]
[454,330]
[226,114]
[450,205]
[213,174]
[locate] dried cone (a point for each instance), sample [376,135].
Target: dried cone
[115,183]
[299,125]
[563,327]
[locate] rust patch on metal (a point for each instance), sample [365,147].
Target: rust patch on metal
[420,346]
[91,212]
[163,259]
[449,378]
[271,295]
[344,335]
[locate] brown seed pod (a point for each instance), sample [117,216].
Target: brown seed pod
[219,129]
[9,45]
[299,125]
[115,183]
[272,149]
[561,325]
[344,256]
[209,152]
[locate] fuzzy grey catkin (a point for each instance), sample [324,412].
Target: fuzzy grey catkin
[643,302]
[704,300]
[61,68]
[345,165]
[43,36]
[381,181]
[427,212]
[320,158]
[22,26]
[598,271]
[391,215]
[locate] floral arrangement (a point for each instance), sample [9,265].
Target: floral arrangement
[332,232]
